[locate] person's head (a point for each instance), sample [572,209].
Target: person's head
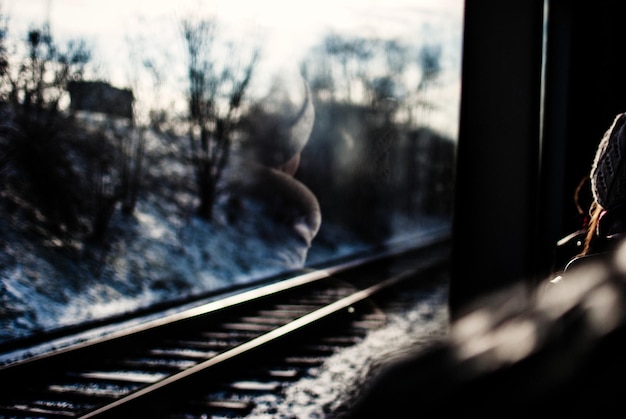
[279,125]
[608,185]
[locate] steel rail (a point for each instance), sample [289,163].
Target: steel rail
[272,335]
[345,272]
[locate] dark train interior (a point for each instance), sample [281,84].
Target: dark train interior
[542,83]
[529,130]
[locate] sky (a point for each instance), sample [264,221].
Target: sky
[287,29]
[389,16]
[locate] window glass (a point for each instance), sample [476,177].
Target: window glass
[151,151]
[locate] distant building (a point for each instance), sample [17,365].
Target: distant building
[98,96]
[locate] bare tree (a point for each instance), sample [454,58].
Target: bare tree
[317,69]
[215,95]
[353,55]
[41,78]
[429,61]
[4,54]
[37,174]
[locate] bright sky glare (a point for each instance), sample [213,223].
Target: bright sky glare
[286,29]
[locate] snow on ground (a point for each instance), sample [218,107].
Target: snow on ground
[43,290]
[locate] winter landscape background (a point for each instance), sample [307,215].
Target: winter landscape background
[99,214]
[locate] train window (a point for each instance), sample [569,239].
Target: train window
[154,151]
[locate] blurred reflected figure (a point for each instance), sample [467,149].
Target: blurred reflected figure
[260,195]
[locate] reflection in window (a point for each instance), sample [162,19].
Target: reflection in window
[152,153]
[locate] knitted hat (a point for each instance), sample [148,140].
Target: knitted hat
[608,173]
[279,125]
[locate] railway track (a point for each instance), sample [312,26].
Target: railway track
[211,360]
